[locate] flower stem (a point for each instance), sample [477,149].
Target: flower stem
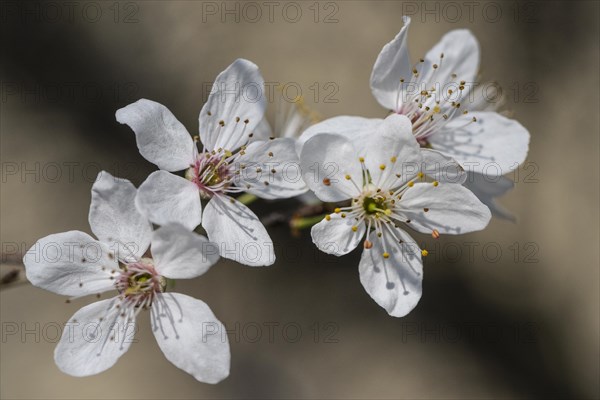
[305,222]
[247,198]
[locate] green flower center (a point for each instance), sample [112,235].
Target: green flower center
[373,205]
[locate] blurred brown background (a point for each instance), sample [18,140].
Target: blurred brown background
[523,324]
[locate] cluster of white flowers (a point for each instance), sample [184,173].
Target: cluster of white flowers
[379,176]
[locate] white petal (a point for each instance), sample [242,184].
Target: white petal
[262,131]
[181,254]
[442,168]
[70,263]
[345,125]
[449,208]
[94,339]
[237,96]
[272,169]
[114,218]
[164,198]
[461,58]
[336,235]
[395,282]
[494,145]
[391,145]
[487,189]
[160,137]
[191,337]
[392,64]
[325,161]
[238,232]
[486,96]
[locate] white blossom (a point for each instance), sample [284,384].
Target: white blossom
[228,163]
[75,264]
[380,173]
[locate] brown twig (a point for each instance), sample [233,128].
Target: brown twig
[12,271]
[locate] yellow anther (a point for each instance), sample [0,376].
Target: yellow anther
[435,183]
[411,184]
[386,255]
[337,210]
[361,159]
[348,177]
[382,167]
[328,217]
[228,153]
[354,228]
[388,212]
[420,175]
[436,109]
[393,159]
[424,253]
[343,215]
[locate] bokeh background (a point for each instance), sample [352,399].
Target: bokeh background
[523,323]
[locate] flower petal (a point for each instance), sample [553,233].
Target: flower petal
[325,161]
[271,169]
[191,337]
[262,131]
[114,218]
[460,61]
[181,254]
[487,189]
[70,263]
[160,137]
[94,339]
[345,125]
[391,146]
[442,168]
[447,208]
[238,232]
[164,198]
[336,235]
[392,64]
[493,145]
[235,106]
[393,282]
